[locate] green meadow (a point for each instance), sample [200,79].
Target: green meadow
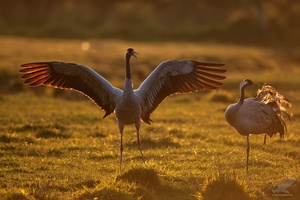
[55,145]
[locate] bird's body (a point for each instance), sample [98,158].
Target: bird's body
[128,109]
[130,106]
[253,116]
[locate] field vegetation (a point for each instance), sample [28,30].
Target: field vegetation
[55,144]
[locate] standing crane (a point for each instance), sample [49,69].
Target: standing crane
[264,114]
[130,105]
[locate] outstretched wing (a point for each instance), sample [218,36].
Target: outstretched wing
[73,76]
[175,77]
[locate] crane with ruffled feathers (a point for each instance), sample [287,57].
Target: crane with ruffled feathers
[130,105]
[264,114]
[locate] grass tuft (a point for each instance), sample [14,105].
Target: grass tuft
[115,191]
[224,186]
[147,178]
[19,195]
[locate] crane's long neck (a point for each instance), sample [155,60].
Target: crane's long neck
[128,73]
[242,95]
[231,111]
[128,89]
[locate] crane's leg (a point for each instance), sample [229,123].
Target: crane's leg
[137,126]
[265,139]
[121,128]
[247,152]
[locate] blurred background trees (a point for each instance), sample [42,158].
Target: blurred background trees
[235,21]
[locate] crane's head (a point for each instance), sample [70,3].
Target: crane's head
[130,52]
[248,83]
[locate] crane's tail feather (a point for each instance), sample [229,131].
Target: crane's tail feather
[268,95]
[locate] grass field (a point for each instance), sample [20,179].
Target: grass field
[55,144]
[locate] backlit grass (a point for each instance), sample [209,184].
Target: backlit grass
[55,144]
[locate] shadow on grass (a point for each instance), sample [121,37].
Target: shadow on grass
[14,139]
[46,131]
[53,133]
[161,143]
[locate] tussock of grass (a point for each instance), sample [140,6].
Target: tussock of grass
[147,178]
[19,195]
[113,192]
[224,186]
[136,183]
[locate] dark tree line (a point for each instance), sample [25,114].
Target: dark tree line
[156,19]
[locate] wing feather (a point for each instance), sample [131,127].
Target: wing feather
[74,77]
[175,77]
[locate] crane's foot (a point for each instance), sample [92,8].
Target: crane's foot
[143,158]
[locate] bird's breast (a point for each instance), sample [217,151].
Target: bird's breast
[128,111]
[230,114]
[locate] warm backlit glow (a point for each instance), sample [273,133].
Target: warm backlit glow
[85,46]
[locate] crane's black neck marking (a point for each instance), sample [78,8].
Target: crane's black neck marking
[242,95]
[128,74]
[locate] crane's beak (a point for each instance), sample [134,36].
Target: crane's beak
[134,54]
[257,84]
